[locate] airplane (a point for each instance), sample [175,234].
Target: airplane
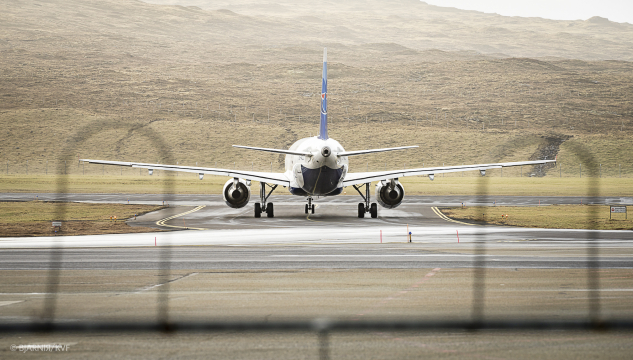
[318,166]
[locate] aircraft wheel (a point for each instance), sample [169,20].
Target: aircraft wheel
[313,208]
[306,208]
[373,210]
[258,210]
[270,212]
[361,210]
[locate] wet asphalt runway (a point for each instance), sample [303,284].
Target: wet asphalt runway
[366,256]
[331,238]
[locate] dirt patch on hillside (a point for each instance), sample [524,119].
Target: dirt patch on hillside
[548,151]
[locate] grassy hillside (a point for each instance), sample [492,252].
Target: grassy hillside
[126,80]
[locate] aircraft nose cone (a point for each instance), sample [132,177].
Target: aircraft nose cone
[326,151]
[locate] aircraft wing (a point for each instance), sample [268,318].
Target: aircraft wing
[267,177]
[365,177]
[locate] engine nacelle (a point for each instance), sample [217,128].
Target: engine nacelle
[236,193]
[389,193]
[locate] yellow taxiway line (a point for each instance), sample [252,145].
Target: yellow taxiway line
[444,217]
[162,222]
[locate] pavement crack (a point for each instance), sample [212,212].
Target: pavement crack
[150,287]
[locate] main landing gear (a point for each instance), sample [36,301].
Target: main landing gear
[368,206]
[309,205]
[262,205]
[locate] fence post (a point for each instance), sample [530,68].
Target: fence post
[324,348]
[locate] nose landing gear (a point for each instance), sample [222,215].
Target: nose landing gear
[309,206]
[368,206]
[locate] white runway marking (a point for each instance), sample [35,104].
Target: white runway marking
[5,303]
[309,235]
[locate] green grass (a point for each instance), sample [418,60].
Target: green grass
[547,186]
[34,218]
[550,217]
[35,211]
[190,184]
[156,184]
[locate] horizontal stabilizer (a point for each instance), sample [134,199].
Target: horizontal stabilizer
[278,151]
[362,152]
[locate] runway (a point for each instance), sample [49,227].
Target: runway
[327,265]
[366,256]
[206,220]
[226,238]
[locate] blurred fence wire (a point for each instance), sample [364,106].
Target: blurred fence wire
[322,328]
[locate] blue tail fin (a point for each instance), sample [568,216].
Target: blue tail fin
[323,128]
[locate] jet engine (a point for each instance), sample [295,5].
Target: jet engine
[236,193]
[389,193]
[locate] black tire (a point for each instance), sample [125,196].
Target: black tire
[258,210]
[373,210]
[306,209]
[313,208]
[270,212]
[361,210]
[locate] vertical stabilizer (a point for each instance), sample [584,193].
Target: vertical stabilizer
[323,128]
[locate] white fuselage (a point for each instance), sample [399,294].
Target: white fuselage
[322,173]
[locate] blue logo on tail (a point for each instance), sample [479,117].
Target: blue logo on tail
[323,128]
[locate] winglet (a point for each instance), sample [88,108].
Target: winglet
[323,128]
